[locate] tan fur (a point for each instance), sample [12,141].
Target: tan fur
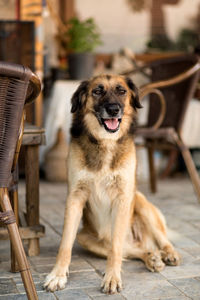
[118,221]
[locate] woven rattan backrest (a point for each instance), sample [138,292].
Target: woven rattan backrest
[14,81]
[177,96]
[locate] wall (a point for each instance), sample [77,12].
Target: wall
[7,9]
[120,26]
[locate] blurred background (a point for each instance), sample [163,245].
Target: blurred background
[55,37]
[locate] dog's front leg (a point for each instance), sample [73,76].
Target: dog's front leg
[74,207]
[120,221]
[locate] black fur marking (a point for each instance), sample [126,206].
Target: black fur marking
[77,127]
[132,127]
[76,100]
[108,77]
[135,102]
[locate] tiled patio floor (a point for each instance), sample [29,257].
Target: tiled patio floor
[177,201]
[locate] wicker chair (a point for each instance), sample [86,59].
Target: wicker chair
[18,85]
[173,84]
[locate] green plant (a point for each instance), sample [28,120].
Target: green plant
[188,39]
[160,42]
[81,36]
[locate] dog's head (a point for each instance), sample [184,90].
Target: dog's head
[105,106]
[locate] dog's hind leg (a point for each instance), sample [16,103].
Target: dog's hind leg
[91,243]
[153,227]
[151,257]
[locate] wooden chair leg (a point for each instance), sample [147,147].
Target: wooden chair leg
[152,171]
[14,202]
[32,193]
[171,162]
[17,245]
[190,167]
[13,194]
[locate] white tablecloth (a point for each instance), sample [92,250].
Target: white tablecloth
[58,116]
[57,112]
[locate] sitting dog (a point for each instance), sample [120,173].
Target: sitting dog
[118,221]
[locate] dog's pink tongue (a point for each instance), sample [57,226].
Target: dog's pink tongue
[112,124]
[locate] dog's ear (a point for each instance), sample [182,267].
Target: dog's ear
[76,100]
[135,102]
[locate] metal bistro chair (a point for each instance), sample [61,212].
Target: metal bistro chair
[18,86]
[174,82]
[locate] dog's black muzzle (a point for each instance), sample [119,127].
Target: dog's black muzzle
[113,109]
[110,116]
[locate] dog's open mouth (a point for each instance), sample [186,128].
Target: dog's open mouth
[111,125]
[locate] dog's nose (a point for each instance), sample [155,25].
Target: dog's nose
[113,109]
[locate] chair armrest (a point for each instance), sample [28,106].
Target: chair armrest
[22,73]
[34,88]
[148,90]
[174,80]
[155,86]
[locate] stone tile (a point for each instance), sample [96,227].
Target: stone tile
[182,271]
[186,257]
[43,260]
[14,297]
[182,226]
[109,297]
[77,265]
[140,274]
[196,238]
[99,264]
[197,278]
[189,286]
[46,296]
[194,251]
[176,298]
[7,286]
[94,291]
[190,212]
[38,285]
[72,294]
[184,242]
[196,224]
[83,280]
[141,290]
[18,279]
[43,269]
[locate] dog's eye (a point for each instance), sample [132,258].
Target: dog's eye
[97,91]
[120,90]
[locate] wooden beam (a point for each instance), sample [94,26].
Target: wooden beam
[66,10]
[30,232]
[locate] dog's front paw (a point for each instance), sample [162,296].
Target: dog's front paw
[154,262]
[111,283]
[171,257]
[55,281]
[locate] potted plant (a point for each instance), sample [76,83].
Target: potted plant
[80,39]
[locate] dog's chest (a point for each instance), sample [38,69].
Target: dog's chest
[101,203]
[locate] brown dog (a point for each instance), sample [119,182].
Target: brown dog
[117,220]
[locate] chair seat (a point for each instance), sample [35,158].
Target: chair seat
[160,133]
[33,135]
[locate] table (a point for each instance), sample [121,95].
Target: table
[33,137]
